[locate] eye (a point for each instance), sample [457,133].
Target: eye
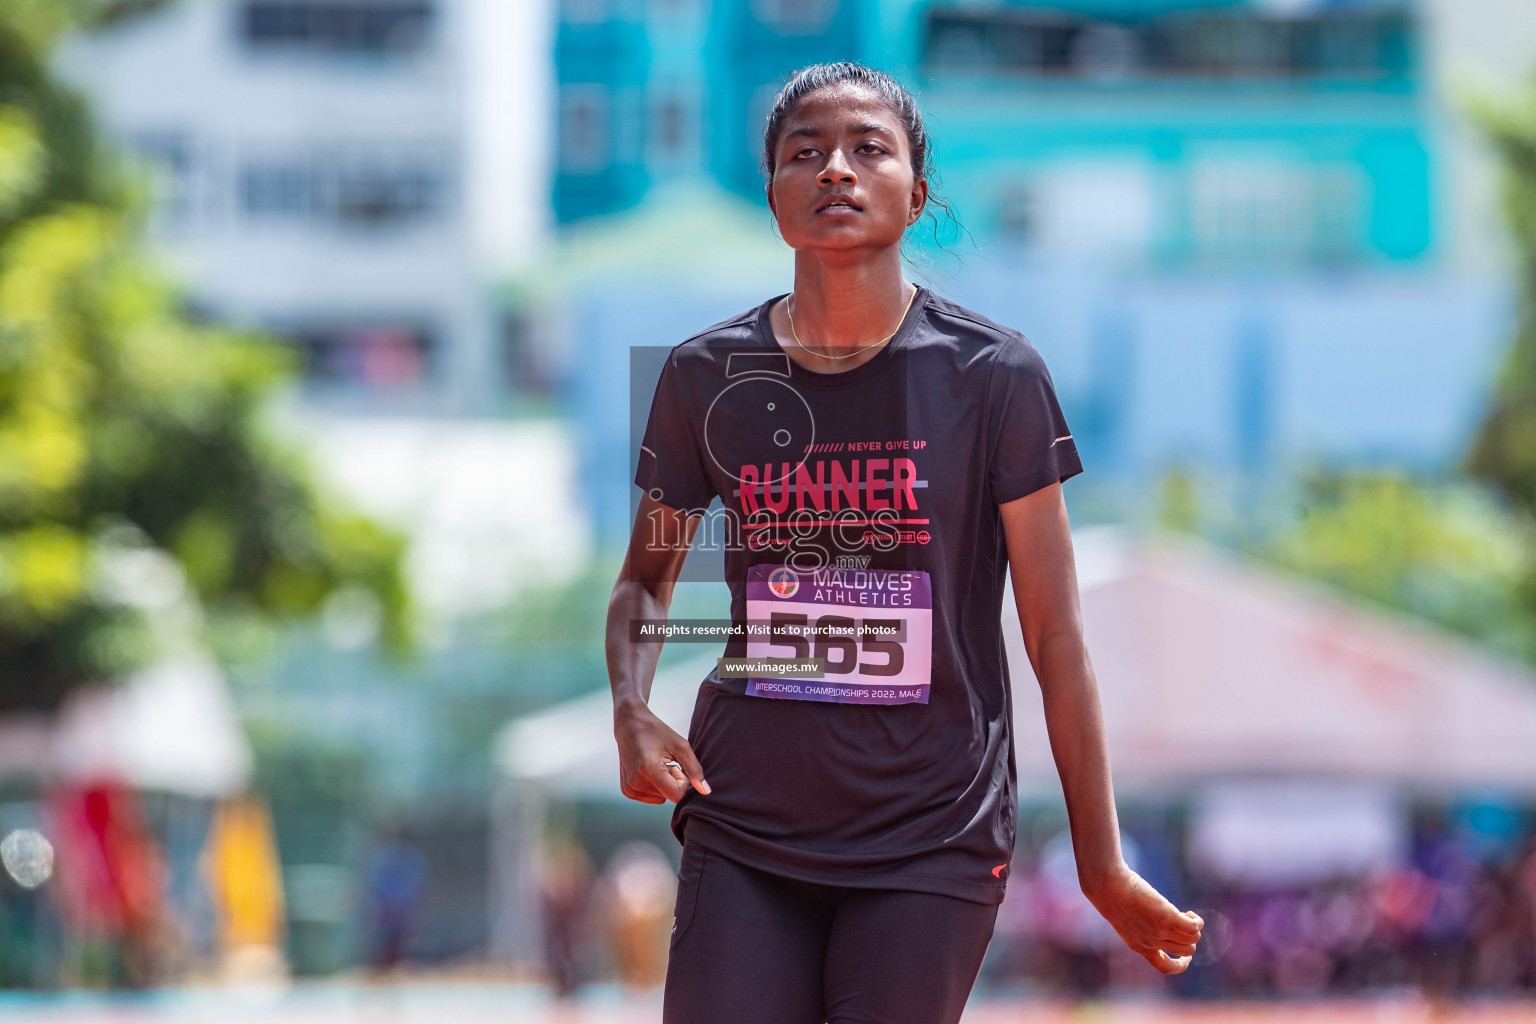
[877,147]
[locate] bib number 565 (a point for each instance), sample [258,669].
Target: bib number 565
[847,660]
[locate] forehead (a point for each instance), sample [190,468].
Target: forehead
[840,109]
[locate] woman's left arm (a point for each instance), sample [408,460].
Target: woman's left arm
[1045,590]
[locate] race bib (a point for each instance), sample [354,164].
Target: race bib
[873,628]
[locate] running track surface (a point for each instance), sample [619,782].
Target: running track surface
[419,1003]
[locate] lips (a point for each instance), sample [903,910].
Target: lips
[839,202]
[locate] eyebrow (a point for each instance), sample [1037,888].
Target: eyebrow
[858,129]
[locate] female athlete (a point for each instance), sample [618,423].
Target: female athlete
[883,456]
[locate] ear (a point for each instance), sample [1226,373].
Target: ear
[771,208]
[919,200]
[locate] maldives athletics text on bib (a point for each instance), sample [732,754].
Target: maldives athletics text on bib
[873,627]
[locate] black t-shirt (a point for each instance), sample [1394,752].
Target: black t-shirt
[885,773]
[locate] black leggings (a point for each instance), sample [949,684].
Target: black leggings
[750,947]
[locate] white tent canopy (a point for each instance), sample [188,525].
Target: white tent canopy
[170,727]
[570,749]
[1207,668]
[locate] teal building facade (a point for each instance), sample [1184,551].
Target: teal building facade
[1215,219]
[1223,133]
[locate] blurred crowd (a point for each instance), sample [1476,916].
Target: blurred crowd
[613,924]
[108,887]
[1452,921]
[1454,917]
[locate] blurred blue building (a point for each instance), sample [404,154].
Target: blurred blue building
[1274,133]
[1221,222]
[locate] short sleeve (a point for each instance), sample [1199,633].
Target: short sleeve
[1032,445]
[671,464]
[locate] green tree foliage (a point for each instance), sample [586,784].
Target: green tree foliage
[1504,453]
[136,462]
[1444,551]
[1440,550]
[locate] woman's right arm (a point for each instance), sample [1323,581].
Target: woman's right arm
[657,546]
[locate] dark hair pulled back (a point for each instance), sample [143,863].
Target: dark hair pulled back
[891,92]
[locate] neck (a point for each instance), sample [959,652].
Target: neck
[848,306]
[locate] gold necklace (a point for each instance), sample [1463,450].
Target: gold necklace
[847,355]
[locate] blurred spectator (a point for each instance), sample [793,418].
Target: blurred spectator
[397,876]
[242,870]
[565,884]
[1456,920]
[1443,948]
[111,878]
[639,889]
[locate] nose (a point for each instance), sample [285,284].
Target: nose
[837,169]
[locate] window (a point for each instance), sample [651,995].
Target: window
[1100,207]
[1246,205]
[1367,42]
[278,190]
[1016,213]
[355,190]
[381,27]
[759,104]
[673,136]
[376,194]
[676,10]
[526,365]
[628,123]
[584,128]
[1104,50]
[675,127]
[584,12]
[383,354]
[797,16]
[1273,207]
[670,124]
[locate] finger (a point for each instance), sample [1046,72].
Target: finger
[665,784]
[1190,939]
[1199,921]
[661,779]
[1182,927]
[1181,930]
[1166,964]
[692,770]
[1178,948]
[638,787]
[674,771]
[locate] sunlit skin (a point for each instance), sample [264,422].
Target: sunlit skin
[1044,575]
[850,292]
